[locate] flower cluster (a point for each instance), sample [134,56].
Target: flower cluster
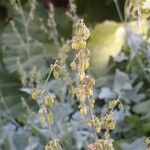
[85,83]
[84,90]
[106,143]
[136,9]
[48,100]
[108,122]
[81,63]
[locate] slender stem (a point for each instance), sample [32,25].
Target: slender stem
[20,38]
[127,32]
[51,69]
[118,10]
[8,114]
[138,17]
[45,84]
[91,117]
[9,118]
[50,129]
[25,26]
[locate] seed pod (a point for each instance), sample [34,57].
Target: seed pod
[99,146]
[86,64]
[39,92]
[92,101]
[109,122]
[112,124]
[92,82]
[81,97]
[83,110]
[96,123]
[86,33]
[55,74]
[75,45]
[34,95]
[50,117]
[87,52]
[42,119]
[43,110]
[48,100]
[81,77]
[96,146]
[82,44]
[57,68]
[112,104]
[73,65]
[97,129]
[108,142]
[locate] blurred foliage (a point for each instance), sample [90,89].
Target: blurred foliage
[120,62]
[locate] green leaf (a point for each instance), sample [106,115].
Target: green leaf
[121,81]
[143,108]
[138,144]
[106,40]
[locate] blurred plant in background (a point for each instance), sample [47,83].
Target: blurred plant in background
[37,62]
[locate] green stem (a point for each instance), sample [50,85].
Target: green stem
[51,69]
[118,10]
[50,129]
[91,117]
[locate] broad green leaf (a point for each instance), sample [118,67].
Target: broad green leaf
[106,40]
[121,82]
